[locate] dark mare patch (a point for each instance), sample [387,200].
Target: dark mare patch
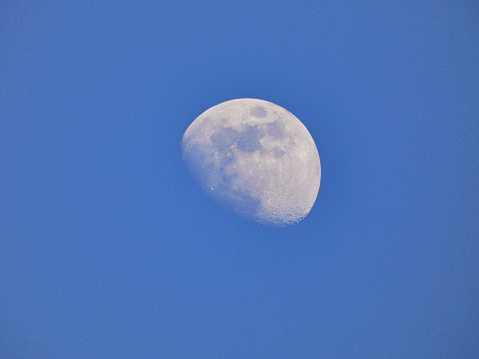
[223,138]
[259,111]
[249,140]
[275,129]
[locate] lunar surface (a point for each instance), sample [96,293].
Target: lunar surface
[256,159]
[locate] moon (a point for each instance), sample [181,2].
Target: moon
[256,159]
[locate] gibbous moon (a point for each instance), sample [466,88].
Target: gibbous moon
[256,159]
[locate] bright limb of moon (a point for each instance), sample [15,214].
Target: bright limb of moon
[256,159]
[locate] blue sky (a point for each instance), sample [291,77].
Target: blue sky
[108,249]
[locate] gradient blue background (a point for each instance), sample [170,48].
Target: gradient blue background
[107,248]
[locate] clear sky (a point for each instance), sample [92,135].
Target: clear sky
[109,250]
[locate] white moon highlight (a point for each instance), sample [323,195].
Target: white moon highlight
[256,159]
